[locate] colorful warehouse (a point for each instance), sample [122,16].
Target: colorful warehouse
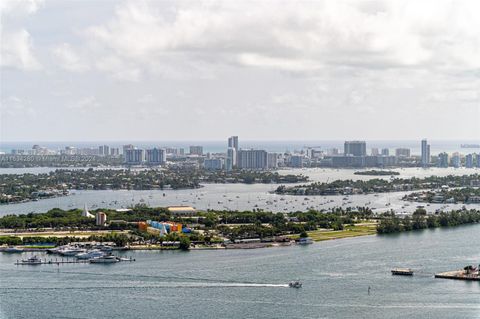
[162,228]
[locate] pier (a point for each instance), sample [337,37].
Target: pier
[459,275]
[61,261]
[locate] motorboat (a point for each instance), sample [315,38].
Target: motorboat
[34,260]
[295,284]
[90,254]
[105,260]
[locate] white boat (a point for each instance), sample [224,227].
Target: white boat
[90,254]
[305,241]
[71,251]
[34,260]
[104,260]
[13,250]
[295,284]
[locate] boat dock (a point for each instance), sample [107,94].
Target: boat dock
[459,275]
[61,261]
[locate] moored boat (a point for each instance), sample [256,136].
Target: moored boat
[104,260]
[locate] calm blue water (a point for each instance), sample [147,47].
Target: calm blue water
[251,283]
[437,146]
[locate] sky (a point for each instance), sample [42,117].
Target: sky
[264,70]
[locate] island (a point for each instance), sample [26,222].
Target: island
[16,188]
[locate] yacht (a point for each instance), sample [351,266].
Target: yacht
[104,260]
[71,251]
[90,254]
[34,260]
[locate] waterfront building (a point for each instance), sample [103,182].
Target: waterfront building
[100,219]
[425,159]
[374,151]
[114,151]
[469,161]
[103,150]
[213,164]
[402,152]
[296,161]
[196,150]
[252,159]
[127,147]
[233,142]
[456,161]
[134,156]
[355,148]
[385,152]
[156,156]
[272,160]
[442,160]
[232,157]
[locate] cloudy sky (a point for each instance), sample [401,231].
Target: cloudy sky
[160,70]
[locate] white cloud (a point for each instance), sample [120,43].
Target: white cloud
[291,36]
[85,104]
[68,59]
[17,51]
[14,106]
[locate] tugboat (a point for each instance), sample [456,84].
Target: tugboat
[295,284]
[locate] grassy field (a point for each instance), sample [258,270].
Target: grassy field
[349,231]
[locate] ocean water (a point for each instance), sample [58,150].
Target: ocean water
[253,283]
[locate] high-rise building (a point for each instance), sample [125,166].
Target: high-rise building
[355,148]
[231,158]
[456,161]
[100,219]
[103,150]
[127,147]
[156,156]
[114,151]
[374,151]
[402,152]
[252,159]
[272,160]
[296,161]
[213,164]
[196,150]
[134,156]
[425,153]
[233,143]
[469,161]
[385,152]
[442,160]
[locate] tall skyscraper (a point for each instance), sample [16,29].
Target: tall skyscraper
[156,156]
[355,148]
[233,142]
[385,151]
[402,152]
[425,153]
[469,161]
[442,160]
[134,156]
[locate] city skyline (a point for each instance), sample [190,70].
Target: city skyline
[125,70]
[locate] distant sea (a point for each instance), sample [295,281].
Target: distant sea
[436,146]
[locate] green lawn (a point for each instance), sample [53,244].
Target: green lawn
[349,231]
